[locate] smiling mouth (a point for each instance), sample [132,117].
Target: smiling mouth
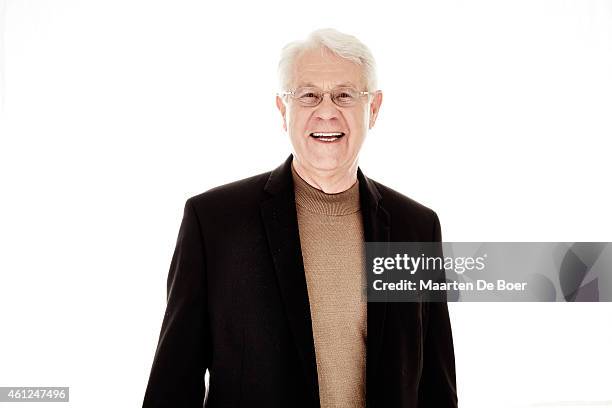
[327,136]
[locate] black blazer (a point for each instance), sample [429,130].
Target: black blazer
[238,306]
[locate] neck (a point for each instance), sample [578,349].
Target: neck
[329,181]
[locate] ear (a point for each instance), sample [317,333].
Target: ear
[375,107]
[283,110]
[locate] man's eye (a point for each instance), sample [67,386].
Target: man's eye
[308,95]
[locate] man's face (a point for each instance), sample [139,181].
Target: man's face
[324,70]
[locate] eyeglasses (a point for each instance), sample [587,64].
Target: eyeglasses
[311,96]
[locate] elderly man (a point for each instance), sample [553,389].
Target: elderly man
[265,285]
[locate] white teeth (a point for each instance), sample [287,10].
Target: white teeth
[328,139]
[327,134]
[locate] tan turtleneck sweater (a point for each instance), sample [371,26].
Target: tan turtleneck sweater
[332,241]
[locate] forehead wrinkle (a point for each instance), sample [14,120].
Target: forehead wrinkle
[316,69]
[328,76]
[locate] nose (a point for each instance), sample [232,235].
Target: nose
[327,109]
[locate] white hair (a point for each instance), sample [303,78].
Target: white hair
[343,45]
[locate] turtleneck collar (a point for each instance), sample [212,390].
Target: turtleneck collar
[317,201]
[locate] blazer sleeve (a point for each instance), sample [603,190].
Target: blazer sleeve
[438,384]
[182,355]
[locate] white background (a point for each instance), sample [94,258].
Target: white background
[115,112]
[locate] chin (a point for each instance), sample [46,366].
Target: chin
[327,163]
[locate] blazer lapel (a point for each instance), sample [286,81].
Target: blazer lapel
[377,228]
[280,221]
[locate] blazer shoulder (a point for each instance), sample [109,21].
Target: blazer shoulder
[402,207]
[237,194]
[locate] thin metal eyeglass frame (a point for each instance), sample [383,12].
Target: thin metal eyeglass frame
[292,94]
